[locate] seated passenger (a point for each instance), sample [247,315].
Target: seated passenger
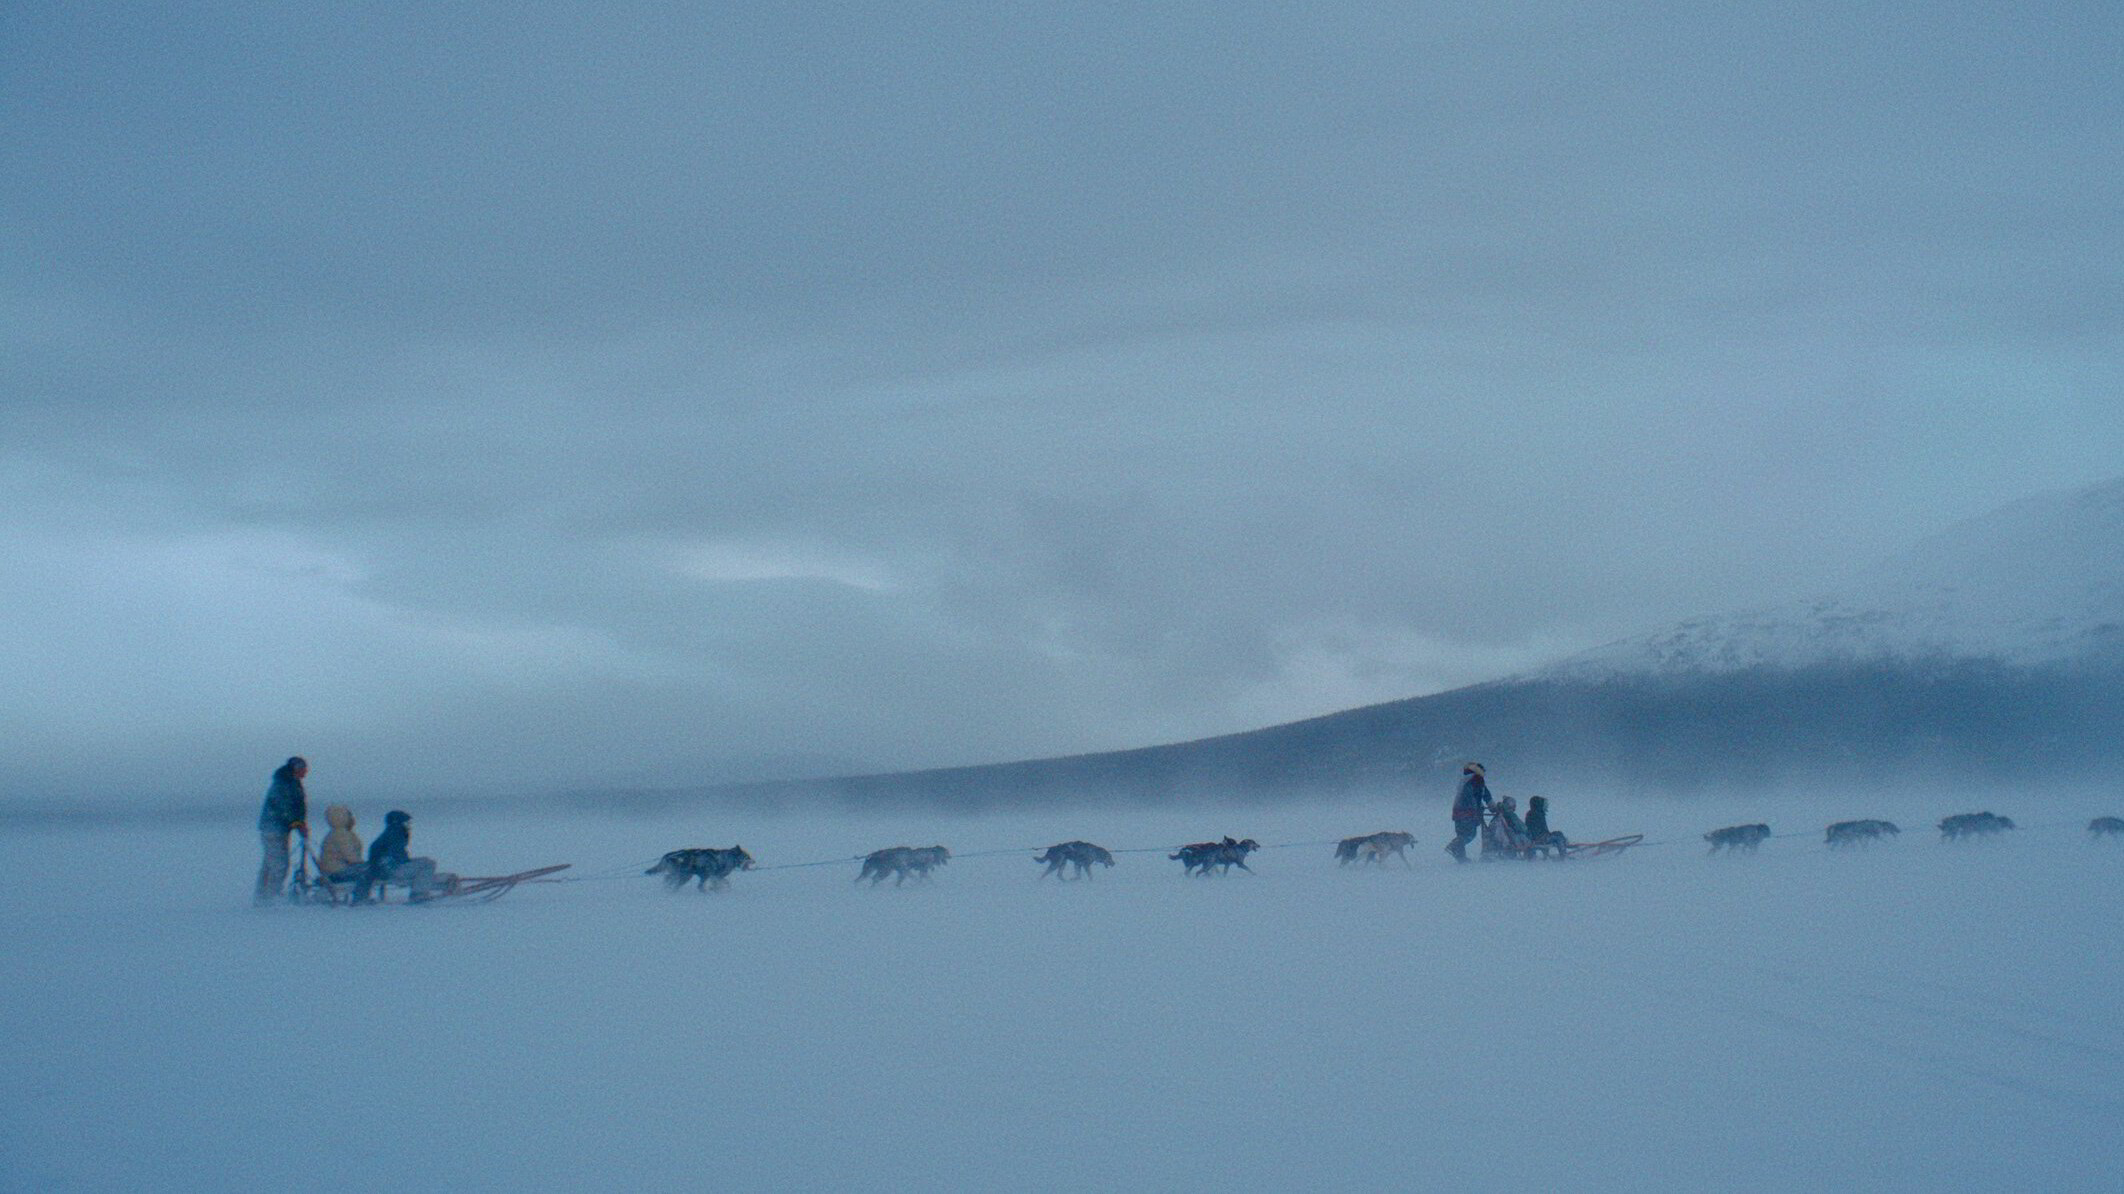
[1538,831]
[340,858]
[389,863]
[1508,812]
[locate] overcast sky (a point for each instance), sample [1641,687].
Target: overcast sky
[505,398]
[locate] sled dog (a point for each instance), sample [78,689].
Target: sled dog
[1736,838]
[710,866]
[901,862]
[1373,848]
[2105,827]
[1081,855]
[1963,825]
[1201,856]
[1845,833]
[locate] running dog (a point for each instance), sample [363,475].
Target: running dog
[1737,838]
[2106,827]
[1845,833]
[1201,856]
[1080,855]
[1962,825]
[710,866]
[900,862]
[1373,848]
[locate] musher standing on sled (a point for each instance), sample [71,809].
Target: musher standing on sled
[1474,797]
[286,810]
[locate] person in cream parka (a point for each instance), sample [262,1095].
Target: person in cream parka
[341,853]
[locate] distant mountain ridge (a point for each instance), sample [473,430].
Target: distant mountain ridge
[2038,582]
[1994,652]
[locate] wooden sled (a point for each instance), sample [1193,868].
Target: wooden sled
[484,889]
[1614,845]
[1500,840]
[306,888]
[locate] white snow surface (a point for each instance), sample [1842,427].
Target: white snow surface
[2037,582]
[1913,1016]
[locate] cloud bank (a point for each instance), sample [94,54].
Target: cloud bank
[482,402]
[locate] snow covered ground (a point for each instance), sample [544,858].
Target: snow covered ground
[1908,1017]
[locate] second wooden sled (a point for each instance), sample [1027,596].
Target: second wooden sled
[1614,845]
[482,889]
[1501,840]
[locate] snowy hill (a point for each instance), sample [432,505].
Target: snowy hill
[2040,582]
[1993,647]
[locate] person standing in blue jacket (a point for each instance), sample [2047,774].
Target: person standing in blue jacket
[1468,806]
[286,810]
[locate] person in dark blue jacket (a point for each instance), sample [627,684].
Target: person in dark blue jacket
[389,863]
[1468,807]
[1538,832]
[286,810]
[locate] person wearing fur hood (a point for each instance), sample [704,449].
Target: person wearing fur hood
[1468,808]
[342,849]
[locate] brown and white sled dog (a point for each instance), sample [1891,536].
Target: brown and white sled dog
[1081,855]
[1373,848]
[1734,839]
[901,862]
[710,866]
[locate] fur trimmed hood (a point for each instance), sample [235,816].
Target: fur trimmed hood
[342,847]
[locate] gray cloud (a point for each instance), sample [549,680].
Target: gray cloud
[629,395]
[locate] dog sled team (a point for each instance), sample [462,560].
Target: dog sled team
[1737,839]
[347,873]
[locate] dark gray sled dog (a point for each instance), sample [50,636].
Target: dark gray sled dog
[1201,856]
[1961,825]
[710,866]
[1735,838]
[1373,848]
[2105,827]
[1845,833]
[901,862]
[1081,855]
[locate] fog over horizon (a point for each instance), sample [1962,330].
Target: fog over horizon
[488,401]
